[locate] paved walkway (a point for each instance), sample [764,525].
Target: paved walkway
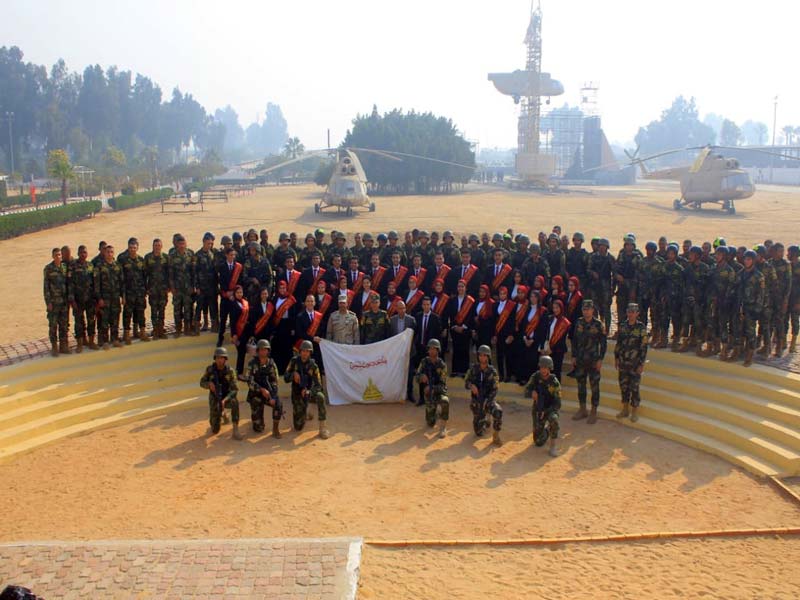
[277,569]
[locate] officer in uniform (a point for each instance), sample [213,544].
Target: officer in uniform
[556,260]
[206,271]
[81,297]
[220,381]
[481,381]
[282,252]
[343,325]
[304,375]
[134,292]
[156,277]
[630,355]
[55,298]
[262,380]
[256,274]
[432,376]
[750,301]
[588,351]
[374,322]
[648,275]
[108,293]
[544,389]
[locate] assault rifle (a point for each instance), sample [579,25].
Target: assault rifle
[540,430]
[305,378]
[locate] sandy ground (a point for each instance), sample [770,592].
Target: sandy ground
[645,209]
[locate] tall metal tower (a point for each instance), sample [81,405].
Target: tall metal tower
[531,106]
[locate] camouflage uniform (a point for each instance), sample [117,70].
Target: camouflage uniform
[156,277]
[182,284]
[721,302]
[780,304]
[374,326]
[226,397]
[308,390]
[588,347]
[671,300]
[545,409]
[627,266]
[750,301]
[693,318]
[486,402]
[259,269]
[55,297]
[770,297]
[134,292]
[576,264]
[794,298]
[630,354]
[262,376]
[600,270]
[81,296]
[435,389]
[648,279]
[205,268]
[108,287]
[556,261]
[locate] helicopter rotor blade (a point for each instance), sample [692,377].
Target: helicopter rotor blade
[407,155]
[302,157]
[378,152]
[761,150]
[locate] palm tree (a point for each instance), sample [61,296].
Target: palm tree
[788,131]
[293,148]
[59,167]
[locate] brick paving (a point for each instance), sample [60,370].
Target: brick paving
[279,569]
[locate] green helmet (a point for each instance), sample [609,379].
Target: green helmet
[484,349]
[434,343]
[220,352]
[264,344]
[306,345]
[546,361]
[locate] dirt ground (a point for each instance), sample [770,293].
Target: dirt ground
[645,209]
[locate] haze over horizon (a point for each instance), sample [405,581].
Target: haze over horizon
[325,62]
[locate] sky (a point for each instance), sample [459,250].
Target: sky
[325,61]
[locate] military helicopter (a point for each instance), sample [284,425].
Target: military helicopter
[711,178]
[347,186]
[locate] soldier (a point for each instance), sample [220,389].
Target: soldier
[81,297]
[282,252]
[156,271]
[770,295]
[238,246]
[647,283]
[319,236]
[750,301]
[630,355]
[206,272]
[671,298]
[783,289]
[365,253]
[477,255]
[432,375]
[556,260]
[544,388]
[220,381]
[693,320]
[794,295]
[182,285]
[343,325]
[268,249]
[262,378]
[134,292]
[662,248]
[374,322]
[450,253]
[101,255]
[424,250]
[588,351]
[55,298]
[108,293]
[577,259]
[257,273]
[535,266]
[304,374]
[601,269]
[481,381]
[626,276]
[310,249]
[720,296]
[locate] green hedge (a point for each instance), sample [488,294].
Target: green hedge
[3,192]
[140,199]
[25,199]
[17,224]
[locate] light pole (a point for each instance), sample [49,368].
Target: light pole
[774,127]
[10,117]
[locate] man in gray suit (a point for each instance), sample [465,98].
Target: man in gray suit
[398,324]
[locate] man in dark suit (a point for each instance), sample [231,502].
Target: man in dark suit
[229,275]
[398,324]
[429,327]
[467,271]
[498,274]
[311,276]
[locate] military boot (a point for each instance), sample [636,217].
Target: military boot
[225,418]
[323,431]
[215,325]
[143,335]
[635,414]
[127,338]
[236,435]
[624,412]
[116,343]
[79,348]
[192,328]
[764,350]
[91,343]
[63,347]
[162,332]
[581,414]
[684,347]
[553,451]
[748,357]
[793,344]
[496,438]
[442,428]
[178,329]
[205,324]
[735,354]
[592,416]
[53,349]
[780,345]
[676,343]
[276,433]
[102,339]
[723,352]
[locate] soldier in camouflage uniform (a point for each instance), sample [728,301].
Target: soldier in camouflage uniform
[577,259]
[134,292]
[374,322]
[282,252]
[257,274]
[424,250]
[544,389]
[783,290]
[220,381]
[751,290]
[304,374]
[647,285]
[310,249]
[601,269]
[156,277]
[481,381]
[81,298]
[262,378]
[588,350]
[630,355]
[794,294]
[626,276]
[770,299]
[183,287]
[736,343]
[720,299]
[670,298]
[555,257]
[109,296]
[205,268]
[55,298]
[693,318]
[432,375]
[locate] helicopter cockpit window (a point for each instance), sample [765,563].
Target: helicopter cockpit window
[346,187]
[739,180]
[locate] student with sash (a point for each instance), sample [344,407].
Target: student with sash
[497,274]
[398,274]
[334,275]
[556,293]
[540,286]
[439,305]
[440,270]
[573,303]
[261,316]
[483,320]
[466,272]
[532,332]
[228,274]
[240,327]
[413,297]
[283,322]
[516,278]
[503,338]
[312,275]
[341,289]
[461,328]
[308,326]
[518,352]
[419,272]
[324,303]
[556,334]
[355,277]
[361,299]
[292,279]
[390,300]
[378,274]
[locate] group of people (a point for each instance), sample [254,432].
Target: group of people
[518,299]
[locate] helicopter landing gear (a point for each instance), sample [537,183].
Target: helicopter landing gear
[316,208]
[349,211]
[676,204]
[371,207]
[728,205]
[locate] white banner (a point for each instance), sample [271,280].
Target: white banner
[370,374]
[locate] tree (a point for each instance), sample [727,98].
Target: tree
[678,127]
[59,167]
[293,148]
[729,134]
[754,133]
[788,132]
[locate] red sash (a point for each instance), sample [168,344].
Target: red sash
[350,296]
[500,277]
[502,318]
[325,304]
[441,303]
[242,321]
[278,315]
[466,307]
[401,273]
[574,302]
[320,273]
[262,322]
[293,279]
[411,304]
[312,328]
[376,279]
[237,271]
[559,331]
[469,273]
[523,310]
[365,303]
[531,327]
[444,271]
[357,283]
[393,306]
[487,310]
[423,272]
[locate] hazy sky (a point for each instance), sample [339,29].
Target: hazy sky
[325,61]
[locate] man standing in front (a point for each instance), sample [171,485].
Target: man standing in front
[374,322]
[588,350]
[133,275]
[630,355]
[398,323]
[109,298]
[343,325]
[220,381]
[55,298]
[182,285]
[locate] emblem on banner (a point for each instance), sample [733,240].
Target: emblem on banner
[371,392]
